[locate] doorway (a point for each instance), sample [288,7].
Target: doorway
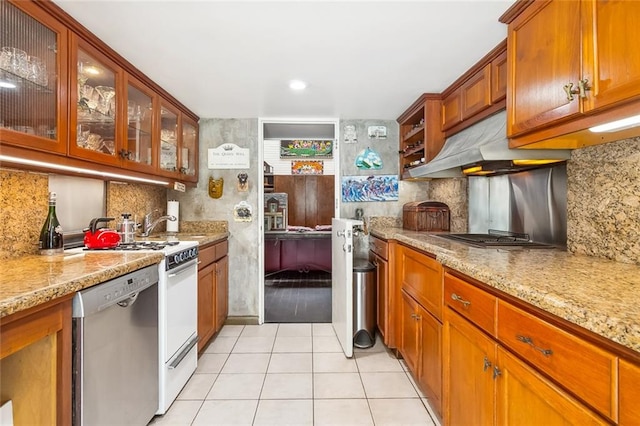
[299,199]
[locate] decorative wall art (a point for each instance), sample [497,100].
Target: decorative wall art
[306,148]
[370,188]
[350,134]
[377,132]
[228,156]
[243,182]
[368,159]
[307,167]
[242,212]
[215,187]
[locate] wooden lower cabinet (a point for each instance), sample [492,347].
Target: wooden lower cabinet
[222,292]
[485,385]
[469,387]
[35,363]
[421,348]
[410,333]
[524,397]
[213,291]
[629,393]
[382,292]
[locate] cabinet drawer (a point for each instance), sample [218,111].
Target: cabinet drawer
[576,364]
[379,247]
[421,277]
[222,248]
[471,302]
[211,253]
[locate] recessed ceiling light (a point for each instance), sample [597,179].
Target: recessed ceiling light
[297,85]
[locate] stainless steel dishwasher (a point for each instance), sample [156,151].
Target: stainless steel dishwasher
[115,351]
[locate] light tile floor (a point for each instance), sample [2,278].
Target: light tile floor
[296,374]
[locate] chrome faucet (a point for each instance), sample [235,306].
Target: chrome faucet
[148,225]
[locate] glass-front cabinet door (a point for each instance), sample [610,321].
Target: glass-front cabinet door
[139,150]
[168,139]
[33,72]
[189,150]
[96,94]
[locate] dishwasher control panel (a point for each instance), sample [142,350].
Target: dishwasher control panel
[106,294]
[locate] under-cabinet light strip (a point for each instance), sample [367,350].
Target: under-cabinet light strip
[28,162]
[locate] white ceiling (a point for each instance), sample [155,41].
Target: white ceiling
[234,59]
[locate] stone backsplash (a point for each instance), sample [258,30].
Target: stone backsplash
[454,193]
[24,207]
[138,200]
[603,201]
[23,197]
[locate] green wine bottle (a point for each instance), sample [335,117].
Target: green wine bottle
[51,241]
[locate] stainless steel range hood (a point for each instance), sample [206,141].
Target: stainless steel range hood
[485,145]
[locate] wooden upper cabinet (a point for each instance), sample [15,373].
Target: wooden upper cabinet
[33,67]
[451,110]
[572,65]
[139,150]
[475,93]
[499,73]
[72,100]
[611,34]
[188,157]
[544,56]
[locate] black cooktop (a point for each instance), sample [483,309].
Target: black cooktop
[496,239]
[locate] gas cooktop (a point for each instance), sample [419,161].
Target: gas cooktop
[494,238]
[139,245]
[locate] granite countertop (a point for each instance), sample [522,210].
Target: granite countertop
[597,294]
[28,281]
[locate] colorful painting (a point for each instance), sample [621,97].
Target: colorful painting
[368,159]
[306,148]
[307,167]
[370,188]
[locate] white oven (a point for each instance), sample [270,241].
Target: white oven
[178,320]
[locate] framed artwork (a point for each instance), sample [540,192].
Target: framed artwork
[307,167]
[306,148]
[369,188]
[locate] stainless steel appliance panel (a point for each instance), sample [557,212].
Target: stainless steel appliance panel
[115,361]
[532,202]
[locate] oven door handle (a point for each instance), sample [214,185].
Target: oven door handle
[183,268]
[178,359]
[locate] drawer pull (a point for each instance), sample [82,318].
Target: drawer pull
[487,364]
[457,298]
[529,341]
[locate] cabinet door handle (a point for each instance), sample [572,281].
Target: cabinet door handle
[487,364]
[457,298]
[583,88]
[496,372]
[529,341]
[568,89]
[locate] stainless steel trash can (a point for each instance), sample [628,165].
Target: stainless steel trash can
[364,303]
